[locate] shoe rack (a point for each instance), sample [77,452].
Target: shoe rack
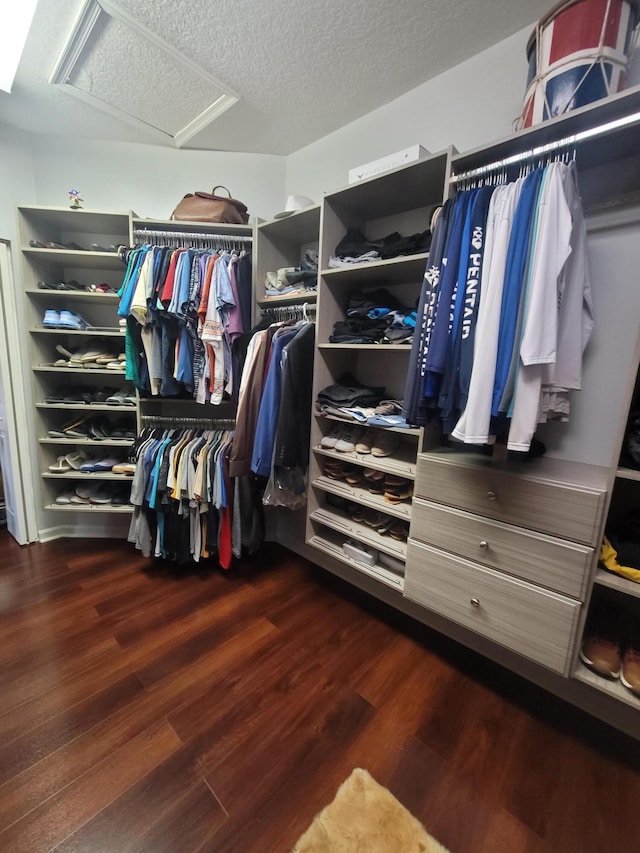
[282,243]
[52,380]
[399,200]
[618,596]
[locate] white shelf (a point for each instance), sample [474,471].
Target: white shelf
[88,408]
[88,475]
[89,442]
[293,299]
[613,581]
[414,432]
[386,348]
[401,463]
[615,689]
[75,295]
[300,227]
[78,259]
[80,221]
[628,474]
[362,496]
[336,520]
[121,510]
[79,371]
[98,333]
[407,268]
[377,572]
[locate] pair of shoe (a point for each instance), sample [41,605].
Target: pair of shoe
[397,489]
[611,645]
[352,438]
[64,320]
[95,428]
[38,244]
[382,523]
[95,493]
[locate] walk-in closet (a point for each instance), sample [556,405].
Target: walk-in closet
[320,427]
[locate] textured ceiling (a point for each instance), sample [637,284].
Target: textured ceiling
[301,68]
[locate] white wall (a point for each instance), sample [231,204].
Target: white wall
[16,182]
[119,176]
[467,106]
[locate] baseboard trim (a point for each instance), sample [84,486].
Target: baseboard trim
[73,531]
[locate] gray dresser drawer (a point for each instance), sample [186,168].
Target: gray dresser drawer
[527,496]
[535,557]
[533,622]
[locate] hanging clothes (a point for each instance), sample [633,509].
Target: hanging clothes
[184,307]
[185,506]
[505,311]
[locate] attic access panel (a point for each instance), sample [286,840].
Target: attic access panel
[119,66]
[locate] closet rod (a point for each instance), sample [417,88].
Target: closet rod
[190,235]
[209,423]
[543,150]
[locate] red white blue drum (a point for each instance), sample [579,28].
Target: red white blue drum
[577,54]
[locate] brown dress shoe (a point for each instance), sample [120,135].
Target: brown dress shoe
[630,675]
[601,650]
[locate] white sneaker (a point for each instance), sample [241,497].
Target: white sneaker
[330,439]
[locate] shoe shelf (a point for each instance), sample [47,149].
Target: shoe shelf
[74,259]
[415,432]
[106,332]
[341,522]
[363,496]
[402,463]
[613,581]
[404,348]
[75,295]
[88,475]
[86,407]
[125,509]
[628,474]
[377,572]
[612,687]
[89,442]
[394,271]
[79,371]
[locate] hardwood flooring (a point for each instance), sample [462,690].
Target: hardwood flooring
[142,711]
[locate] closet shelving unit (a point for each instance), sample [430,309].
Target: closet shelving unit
[399,200]
[82,227]
[282,243]
[605,138]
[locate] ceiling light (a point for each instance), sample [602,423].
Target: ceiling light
[16,21]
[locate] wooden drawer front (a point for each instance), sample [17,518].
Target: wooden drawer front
[526,619]
[561,509]
[553,563]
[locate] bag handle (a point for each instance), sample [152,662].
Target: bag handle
[219,187]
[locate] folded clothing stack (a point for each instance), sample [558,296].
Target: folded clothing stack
[355,248]
[386,414]
[288,281]
[347,391]
[375,316]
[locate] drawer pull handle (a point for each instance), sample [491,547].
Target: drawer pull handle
[491,495]
[475,602]
[484,545]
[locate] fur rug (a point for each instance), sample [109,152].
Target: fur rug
[366,818]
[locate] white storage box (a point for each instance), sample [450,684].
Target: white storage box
[391,161]
[361,553]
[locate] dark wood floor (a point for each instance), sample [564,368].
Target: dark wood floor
[140,711]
